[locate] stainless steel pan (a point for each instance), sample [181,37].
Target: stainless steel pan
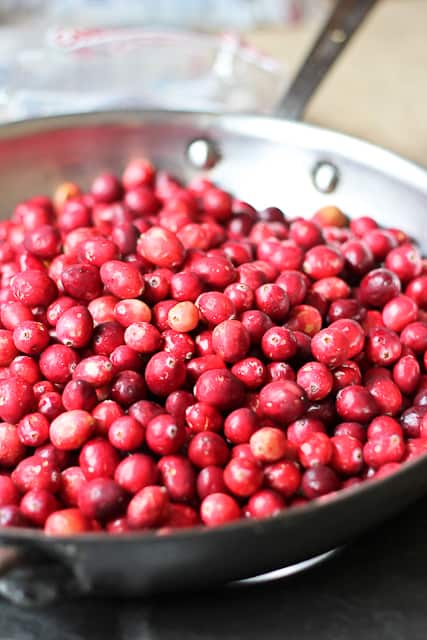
[266,161]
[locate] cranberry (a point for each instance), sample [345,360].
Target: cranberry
[72,480]
[74,327]
[416,289]
[256,323]
[220,388]
[347,458]
[37,505]
[36,473]
[346,308]
[165,435]
[126,312]
[74,214]
[143,337]
[383,449]
[346,374]
[16,399]
[230,340]
[414,336]
[284,477]
[219,508]
[359,257]
[383,346]
[210,480]
[71,429]
[411,421]
[126,434]
[214,271]
[283,401]
[323,261]
[279,343]
[404,261]
[33,430]
[378,287]
[9,495]
[33,288]
[102,309]
[208,448]
[12,448]
[202,416]
[352,429]
[354,334]
[387,396]
[264,504]
[215,307]
[239,425]
[331,347]
[106,188]
[98,459]
[58,362]
[177,404]
[268,444]
[280,371]
[185,285]
[315,450]
[12,516]
[82,281]
[12,313]
[184,316]
[136,472]
[399,312]
[316,380]
[122,279]
[128,387]
[148,508]
[240,295]
[101,499]
[356,404]
[319,481]
[164,374]
[243,477]
[26,368]
[66,522]
[251,372]
[178,476]
[406,374]
[305,318]
[161,247]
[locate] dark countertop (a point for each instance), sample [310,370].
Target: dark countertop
[375,589]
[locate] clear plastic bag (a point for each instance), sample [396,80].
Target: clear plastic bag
[82,70]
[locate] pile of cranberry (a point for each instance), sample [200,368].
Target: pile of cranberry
[169,356]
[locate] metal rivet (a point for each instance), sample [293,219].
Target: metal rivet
[325,177]
[202,153]
[338,36]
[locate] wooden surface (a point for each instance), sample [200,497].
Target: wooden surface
[378,89]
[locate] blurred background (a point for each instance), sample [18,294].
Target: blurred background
[59,56]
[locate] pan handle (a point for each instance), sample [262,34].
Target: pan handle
[343,22]
[31,579]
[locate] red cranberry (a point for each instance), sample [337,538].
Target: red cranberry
[315,450]
[240,295]
[185,285]
[177,404]
[256,323]
[136,472]
[37,505]
[101,499]
[356,404]
[279,343]
[323,261]
[347,458]
[178,476]
[82,281]
[387,395]
[383,346]
[358,256]
[416,289]
[354,334]
[346,308]
[58,362]
[239,425]
[208,448]
[399,312]
[148,508]
[129,311]
[164,374]
[352,429]
[230,340]
[33,288]
[72,480]
[12,516]
[378,287]
[305,318]
[71,429]
[380,241]
[26,368]
[197,366]
[128,387]
[74,214]
[74,327]
[250,371]
[279,371]
[210,480]
[161,247]
[102,309]
[406,374]
[264,503]
[411,421]
[33,430]
[98,459]
[283,401]
[316,380]
[180,345]
[96,370]
[330,347]
[299,430]
[220,388]
[13,313]
[383,449]
[319,481]
[66,522]
[122,279]
[404,261]
[164,435]
[126,434]
[36,473]
[202,416]
[284,477]
[16,399]
[219,508]
[346,374]
[143,337]
[414,336]
[106,188]
[243,477]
